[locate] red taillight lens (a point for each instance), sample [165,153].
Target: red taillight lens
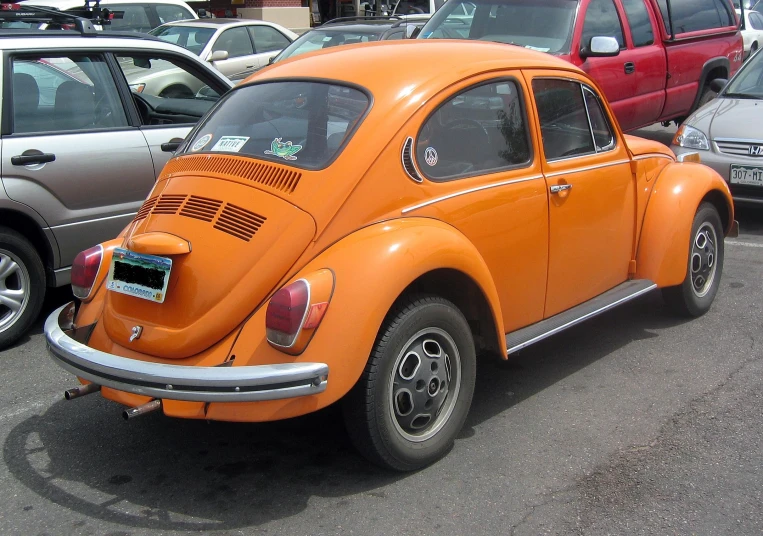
[85,270]
[285,313]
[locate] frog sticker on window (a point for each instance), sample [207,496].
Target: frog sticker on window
[285,150]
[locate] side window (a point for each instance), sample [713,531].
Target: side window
[53,94]
[602,19]
[481,130]
[134,18]
[267,39]
[165,90]
[695,15]
[170,13]
[756,21]
[639,21]
[602,131]
[396,35]
[563,120]
[235,41]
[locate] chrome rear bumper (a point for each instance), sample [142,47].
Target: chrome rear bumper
[180,382]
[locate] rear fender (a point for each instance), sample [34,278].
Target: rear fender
[372,268]
[663,249]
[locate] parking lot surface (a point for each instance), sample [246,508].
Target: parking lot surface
[636,422]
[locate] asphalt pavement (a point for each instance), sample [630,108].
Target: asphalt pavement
[636,422]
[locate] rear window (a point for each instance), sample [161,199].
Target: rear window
[696,15]
[304,124]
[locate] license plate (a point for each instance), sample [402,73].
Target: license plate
[142,276]
[749,175]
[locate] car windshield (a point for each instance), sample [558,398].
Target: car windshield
[301,123]
[748,83]
[544,25]
[410,7]
[190,37]
[318,39]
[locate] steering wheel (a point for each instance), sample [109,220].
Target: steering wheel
[415,10]
[471,127]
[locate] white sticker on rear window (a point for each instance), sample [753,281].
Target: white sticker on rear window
[202,142]
[230,144]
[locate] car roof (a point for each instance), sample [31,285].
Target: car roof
[211,23]
[32,39]
[376,65]
[69,4]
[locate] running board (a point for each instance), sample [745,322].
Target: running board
[627,291]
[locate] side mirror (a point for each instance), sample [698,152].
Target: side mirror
[718,84]
[218,55]
[272,60]
[202,13]
[601,47]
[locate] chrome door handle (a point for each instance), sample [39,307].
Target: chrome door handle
[556,188]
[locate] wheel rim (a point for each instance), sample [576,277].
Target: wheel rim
[425,383]
[14,289]
[703,261]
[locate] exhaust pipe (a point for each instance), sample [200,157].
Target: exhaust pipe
[82,390]
[137,411]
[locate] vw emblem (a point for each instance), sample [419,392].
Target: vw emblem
[430,156]
[756,150]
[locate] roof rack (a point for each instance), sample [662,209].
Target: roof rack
[363,17]
[81,20]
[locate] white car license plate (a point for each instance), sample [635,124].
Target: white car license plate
[749,175]
[142,276]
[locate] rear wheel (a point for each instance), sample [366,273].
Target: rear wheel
[707,95]
[415,392]
[22,286]
[695,295]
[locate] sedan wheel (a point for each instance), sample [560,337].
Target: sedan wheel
[413,397]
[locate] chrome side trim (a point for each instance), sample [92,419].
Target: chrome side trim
[739,140]
[653,155]
[125,215]
[180,382]
[469,191]
[63,276]
[587,168]
[582,318]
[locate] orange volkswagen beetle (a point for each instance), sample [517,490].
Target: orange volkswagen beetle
[342,228]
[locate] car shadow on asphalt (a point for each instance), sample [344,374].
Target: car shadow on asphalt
[159,473]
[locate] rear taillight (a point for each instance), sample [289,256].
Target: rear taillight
[295,311]
[85,271]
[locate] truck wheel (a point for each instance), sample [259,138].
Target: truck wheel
[413,397]
[695,295]
[707,95]
[22,286]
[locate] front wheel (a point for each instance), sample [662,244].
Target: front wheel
[695,295]
[413,397]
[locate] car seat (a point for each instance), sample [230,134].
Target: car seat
[75,106]
[26,102]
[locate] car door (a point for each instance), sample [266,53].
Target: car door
[69,151]
[477,160]
[590,190]
[615,75]
[267,42]
[166,116]
[237,43]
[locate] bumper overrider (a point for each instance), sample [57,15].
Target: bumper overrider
[179,382]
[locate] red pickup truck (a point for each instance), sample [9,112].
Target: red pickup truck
[654,59]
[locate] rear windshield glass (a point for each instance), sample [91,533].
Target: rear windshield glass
[320,39]
[300,123]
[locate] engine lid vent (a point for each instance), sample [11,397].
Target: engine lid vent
[168,204]
[201,208]
[239,222]
[145,210]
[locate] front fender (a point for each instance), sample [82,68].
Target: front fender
[372,267]
[663,249]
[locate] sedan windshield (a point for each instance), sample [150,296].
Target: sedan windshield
[544,25]
[191,37]
[318,39]
[748,83]
[304,124]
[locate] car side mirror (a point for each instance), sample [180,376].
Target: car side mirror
[218,55]
[272,60]
[202,13]
[718,84]
[601,47]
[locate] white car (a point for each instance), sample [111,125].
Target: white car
[753,31]
[132,15]
[232,46]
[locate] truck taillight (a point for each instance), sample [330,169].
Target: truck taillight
[85,270]
[295,311]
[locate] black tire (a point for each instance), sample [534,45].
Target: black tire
[22,280]
[707,95]
[694,297]
[378,408]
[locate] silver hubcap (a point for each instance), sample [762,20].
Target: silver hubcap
[14,289]
[425,384]
[702,263]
